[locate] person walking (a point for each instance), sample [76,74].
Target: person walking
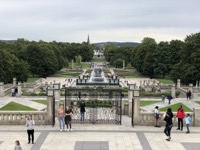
[169,97]
[30,123]
[68,119]
[188,120]
[61,114]
[169,124]
[180,115]
[157,116]
[82,111]
[17,145]
[163,99]
[189,95]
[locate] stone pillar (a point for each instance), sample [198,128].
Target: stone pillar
[123,64]
[57,99]
[196,117]
[130,96]
[49,109]
[14,81]
[173,91]
[191,87]
[1,89]
[178,83]
[136,110]
[72,64]
[19,87]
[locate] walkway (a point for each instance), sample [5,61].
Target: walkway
[100,137]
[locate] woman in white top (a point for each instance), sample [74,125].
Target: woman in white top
[30,123]
[157,115]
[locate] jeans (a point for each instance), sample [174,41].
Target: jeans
[30,135]
[167,130]
[188,125]
[180,123]
[82,116]
[61,122]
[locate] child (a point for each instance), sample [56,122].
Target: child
[17,145]
[188,120]
[163,98]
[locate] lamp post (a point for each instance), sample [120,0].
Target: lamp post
[56,101]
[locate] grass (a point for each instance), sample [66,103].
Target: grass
[41,101]
[145,103]
[98,60]
[198,102]
[128,74]
[66,74]
[165,81]
[32,79]
[12,106]
[175,107]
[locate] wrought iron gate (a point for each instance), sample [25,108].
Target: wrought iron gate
[103,106]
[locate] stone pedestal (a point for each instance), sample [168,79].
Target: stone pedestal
[136,110]
[49,109]
[173,91]
[1,89]
[178,83]
[19,87]
[191,87]
[130,96]
[14,81]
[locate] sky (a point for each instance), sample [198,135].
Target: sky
[102,20]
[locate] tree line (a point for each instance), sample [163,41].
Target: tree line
[175,59]
[23,58]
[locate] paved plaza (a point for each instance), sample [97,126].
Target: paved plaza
[100,137]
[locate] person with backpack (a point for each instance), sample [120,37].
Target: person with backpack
[169,124]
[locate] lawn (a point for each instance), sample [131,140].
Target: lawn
[128,74]
[165,81]
[12,106]
[66,74]
[30,80]
[198,102]
[175,107]
[147,102]
[98,60]
[41,101]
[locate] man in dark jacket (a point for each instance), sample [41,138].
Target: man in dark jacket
[82,110]
[169,97]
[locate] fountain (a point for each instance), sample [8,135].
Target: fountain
[97,76]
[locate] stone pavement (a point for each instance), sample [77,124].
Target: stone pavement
[100,137]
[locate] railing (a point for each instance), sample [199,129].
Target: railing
[19,117]
[148,119]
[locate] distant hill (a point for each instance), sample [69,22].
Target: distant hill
[7,41]
[119,44]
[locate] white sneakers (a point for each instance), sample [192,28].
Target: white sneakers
[66,130]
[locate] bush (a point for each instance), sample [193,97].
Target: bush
[151,94]
[34,94]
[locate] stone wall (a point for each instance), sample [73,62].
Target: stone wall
[19,117]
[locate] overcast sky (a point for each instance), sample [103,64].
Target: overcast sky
[103,20]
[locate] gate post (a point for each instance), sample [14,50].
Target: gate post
[56,87]
[130,96]
[50,97]
[136,107]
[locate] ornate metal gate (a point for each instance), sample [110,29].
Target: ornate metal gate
[103,106]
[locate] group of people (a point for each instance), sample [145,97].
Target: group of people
[167,117]
[65,116]
[169,97]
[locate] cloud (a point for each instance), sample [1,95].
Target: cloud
[105,20]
